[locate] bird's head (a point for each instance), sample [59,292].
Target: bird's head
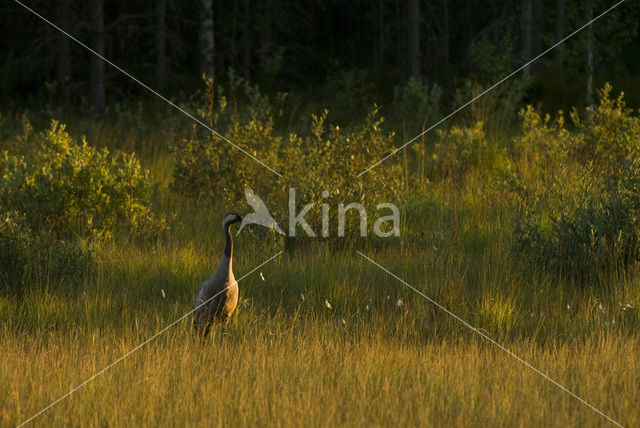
[231,218]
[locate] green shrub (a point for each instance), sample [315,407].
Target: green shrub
[208,166]
[331,158]
[606,134]
[15,243]
[497,109]
[463,148]
[348,93]
[69,189]
[583,217]
[28,257]
[328,158]
[416,106]
[599,232]
[539,148]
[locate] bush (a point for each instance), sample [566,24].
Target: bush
[348,93]
[584,217]
[69,189]
[600,232]
[328,159]
[208,166]
[605,135]
[331,158]
[463,148]
[15,243]
[26,256]
[492,61]
[416,106]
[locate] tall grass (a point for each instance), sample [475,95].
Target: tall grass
[289,360]
[382,355]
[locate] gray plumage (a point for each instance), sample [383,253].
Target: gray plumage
[217,297]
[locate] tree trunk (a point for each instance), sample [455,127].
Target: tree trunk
[558,53]
[234,32]
[589,56]
[63,54]
[266,38]
[400,37]
[413,38]
[446,54]
[161,45]
[378,47]
[207,38]
[527,31]
[537,27]
[96,65]
[246,42]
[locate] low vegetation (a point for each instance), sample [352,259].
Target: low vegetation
[531,238]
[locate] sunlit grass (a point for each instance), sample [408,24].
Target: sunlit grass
[290,360]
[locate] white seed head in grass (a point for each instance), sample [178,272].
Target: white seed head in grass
[400,303]
[327,304]
[603,310]
[164,296]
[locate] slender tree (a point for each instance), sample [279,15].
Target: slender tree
[96,64]
[379,45]
[63,52]
[589,54]
[246,41]
[445,39]
[413,38]
[161,44]
[558,52]
[266,36]
[527,31]
[207,38]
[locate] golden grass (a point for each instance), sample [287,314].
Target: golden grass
[318,373]
[288,360]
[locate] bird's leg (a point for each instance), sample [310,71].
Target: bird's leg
[205,332]
[224,326]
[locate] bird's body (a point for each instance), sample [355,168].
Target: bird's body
[217,297]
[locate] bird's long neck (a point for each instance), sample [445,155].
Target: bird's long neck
[228,247]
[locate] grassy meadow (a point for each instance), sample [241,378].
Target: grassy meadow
[382,354]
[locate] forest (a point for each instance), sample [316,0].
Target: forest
[313,49]
[504,134]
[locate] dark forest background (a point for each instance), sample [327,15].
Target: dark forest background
[313,49]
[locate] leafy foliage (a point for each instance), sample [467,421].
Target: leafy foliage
[606,135]
[416,106]
[36,257]
[462,149]
[328,158]
[69,189]
[584,218]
